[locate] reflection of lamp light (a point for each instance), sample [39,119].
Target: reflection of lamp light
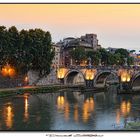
[66,111]
[125,107]
[26,114]
[60,102]
[118,116]
[90,74]
[88,107]
[76,114]
[128,107]
[9,116]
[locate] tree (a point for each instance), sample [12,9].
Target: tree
[3,44]
[37,50]
[132,51]
[94,55]
[111,59]
[124,53]
[118,60]
[104,55]
[26,50]
[13,46]
[78,54]
[130,60]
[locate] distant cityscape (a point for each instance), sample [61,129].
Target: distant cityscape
[89,42]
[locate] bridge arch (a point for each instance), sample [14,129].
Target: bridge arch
[74,77]
[135,81]
[101,77]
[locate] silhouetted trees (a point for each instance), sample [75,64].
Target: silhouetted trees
[26,49]
[106,57]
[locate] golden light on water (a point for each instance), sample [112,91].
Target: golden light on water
[91,104]
[8,116]
[60,102]
[85,112]
[88,108]
[90,74]
[125,108]
[118,117]
[66,111]
[63,105]
[128,107]
[26,105]
[76,115]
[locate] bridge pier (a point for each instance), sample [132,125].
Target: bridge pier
[62,81]
[124,87]
[89,83]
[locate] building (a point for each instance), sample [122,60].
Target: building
[56,61]
[136,59]
[92,40]
[71,45]
[89,42]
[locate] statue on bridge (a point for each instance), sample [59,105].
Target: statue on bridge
[125,62]
[89,63]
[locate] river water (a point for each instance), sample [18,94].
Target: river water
[69,110]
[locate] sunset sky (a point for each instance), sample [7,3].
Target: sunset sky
[116,25]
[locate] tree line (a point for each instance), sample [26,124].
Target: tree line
[26,49]
[107,58]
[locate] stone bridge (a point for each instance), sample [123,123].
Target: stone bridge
[102,76]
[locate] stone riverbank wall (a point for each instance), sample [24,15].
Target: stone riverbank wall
[34,78]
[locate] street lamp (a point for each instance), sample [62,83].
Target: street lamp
[125,74]
[89,76]
[61,74]
[26,80]
[7,70]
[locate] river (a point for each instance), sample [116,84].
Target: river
[69,110]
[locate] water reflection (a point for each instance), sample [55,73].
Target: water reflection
[66,111]
[8,115]
[125,108]
[128,107]
[118,116]
[69,111]
[88,108]
[63,106]
[26,113]
[76,115]
[60,103]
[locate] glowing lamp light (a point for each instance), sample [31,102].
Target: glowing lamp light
[7,70]
[128,78]
[125,75]
[60,73]
[4,72]
[26,79]
[90,74]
